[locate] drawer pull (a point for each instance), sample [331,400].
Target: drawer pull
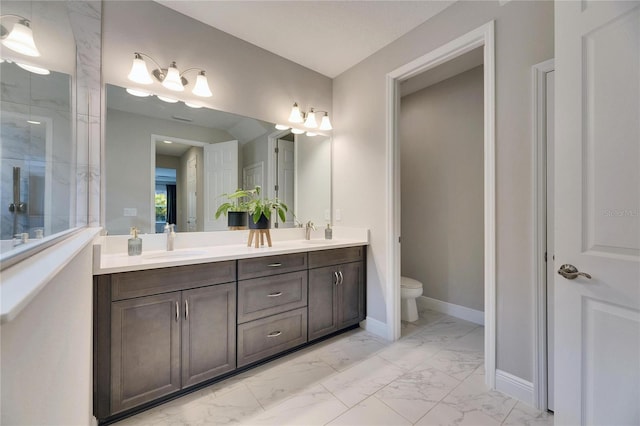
[341,277]
[274,334]
[274,265]
[177,311]
[335,274]
[275,294]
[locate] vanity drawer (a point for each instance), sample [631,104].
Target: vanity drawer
[126,285]
[271,265]
[261,297]
[319,259]
[269,336]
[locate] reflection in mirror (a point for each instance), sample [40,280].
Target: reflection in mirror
[171,163]
[36,139]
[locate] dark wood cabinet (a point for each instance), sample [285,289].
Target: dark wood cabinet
[336,293]
[161,331]
[145,350]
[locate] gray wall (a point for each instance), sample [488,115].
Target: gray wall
[244,78]
[441,149]
[128,164]
[524,36]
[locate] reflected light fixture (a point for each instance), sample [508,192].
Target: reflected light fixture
[167,141]
[309,119]
[170,77]
[138,93]
[167,99]
[192,105]
[20,38]
[297,131]
[282,127]
[311,134]
[34,69]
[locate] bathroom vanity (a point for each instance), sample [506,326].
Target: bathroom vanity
[167,325]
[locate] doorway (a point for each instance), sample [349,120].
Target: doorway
[480,37]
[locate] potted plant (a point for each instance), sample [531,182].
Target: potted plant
[260,209]
[235,209]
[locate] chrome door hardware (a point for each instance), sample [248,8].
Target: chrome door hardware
[570,272]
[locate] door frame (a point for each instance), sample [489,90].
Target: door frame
[539,125]
[481,36]
[154,138]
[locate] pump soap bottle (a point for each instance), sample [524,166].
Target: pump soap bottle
[135,243]
[328,233]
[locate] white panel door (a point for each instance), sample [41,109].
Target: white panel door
[220,177]
[253,176]
[192,201]
[597,212]
[286,177]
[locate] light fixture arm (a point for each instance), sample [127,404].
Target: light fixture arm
[192,69]
[147,56]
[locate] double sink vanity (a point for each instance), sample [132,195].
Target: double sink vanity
[166,323]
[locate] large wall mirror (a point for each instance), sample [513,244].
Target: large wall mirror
[37,144]
[169,162]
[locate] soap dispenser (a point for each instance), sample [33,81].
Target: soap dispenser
[135,243]
[328,233]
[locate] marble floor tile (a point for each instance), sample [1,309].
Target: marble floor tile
[362,380]
[416,392]
[524,415]
[456,363]
[473,395]
[446,415]
[473,341]
[273,385]
[370,412]
[351,350]
[407,329]
[313,406]
[449,327]
[428,317]
[411,351]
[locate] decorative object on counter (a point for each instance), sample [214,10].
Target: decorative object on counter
[308,118]
[169,229]
[170,77]
[134,243]
[20,38]
[328,232]
[259,210]
[235,209]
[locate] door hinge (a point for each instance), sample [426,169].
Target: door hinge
[276,187]
[545,256]
[277,150]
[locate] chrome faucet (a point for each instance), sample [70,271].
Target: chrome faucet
[307,230]
[171,235]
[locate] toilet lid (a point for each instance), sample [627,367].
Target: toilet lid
[407,282]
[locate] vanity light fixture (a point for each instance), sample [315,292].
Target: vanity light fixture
[20,38]
[309,119]
[170,77]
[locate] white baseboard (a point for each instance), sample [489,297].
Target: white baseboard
[457,311]
[376,327]
[515,387]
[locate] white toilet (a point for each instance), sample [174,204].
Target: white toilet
[409,290]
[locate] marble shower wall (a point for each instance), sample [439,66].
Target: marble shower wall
[86,24]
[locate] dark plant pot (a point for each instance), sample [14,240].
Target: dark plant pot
[237,220]
[263,223]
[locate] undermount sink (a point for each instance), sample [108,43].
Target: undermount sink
[174,254]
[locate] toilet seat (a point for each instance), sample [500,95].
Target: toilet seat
[407,282]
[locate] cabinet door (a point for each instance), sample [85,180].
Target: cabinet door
[145,349]
[208,332]
[350,294]
[323,302]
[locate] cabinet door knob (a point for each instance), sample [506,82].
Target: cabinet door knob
[274,334]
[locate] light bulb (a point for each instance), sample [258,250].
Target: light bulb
[138,93]
[296,115]
[172,79]
[139,72]
[167,99]
[282,127]
[35,70]
[311,122]
[20,39]
[297,131]
[325,124]
[201,87]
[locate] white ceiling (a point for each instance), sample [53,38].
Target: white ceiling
[326,36]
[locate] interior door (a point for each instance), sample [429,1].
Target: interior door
[220,177]
[286,174]
[192,182]
[597,212]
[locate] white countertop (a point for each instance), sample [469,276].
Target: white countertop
[110,256]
